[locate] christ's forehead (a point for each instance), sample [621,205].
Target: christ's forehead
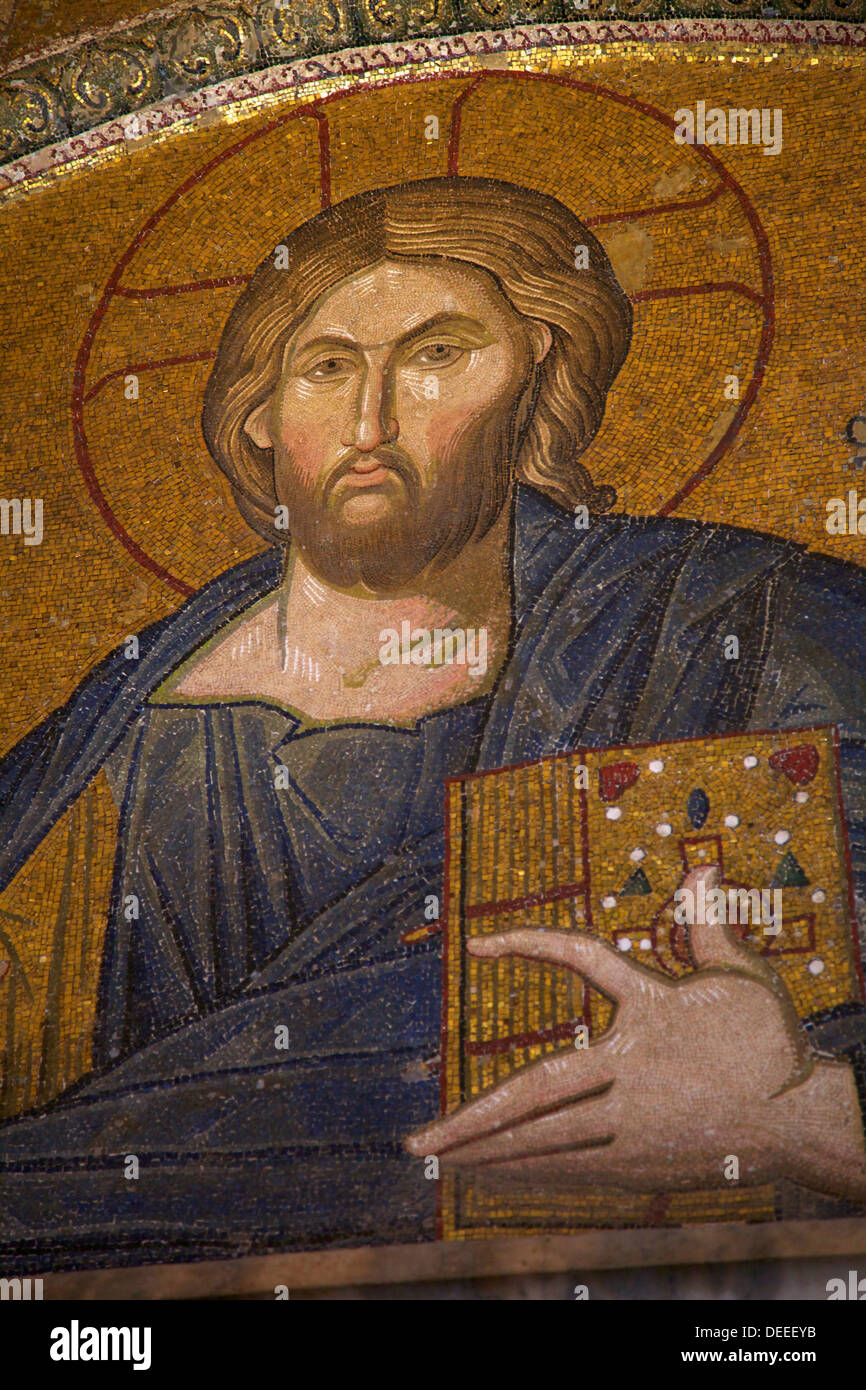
[390,301]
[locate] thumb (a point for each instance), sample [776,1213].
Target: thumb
[712,937]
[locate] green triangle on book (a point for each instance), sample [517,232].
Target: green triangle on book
[789,874]
[638,885]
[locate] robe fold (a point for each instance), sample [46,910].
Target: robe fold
[619,637]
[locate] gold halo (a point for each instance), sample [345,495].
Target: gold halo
[624,176]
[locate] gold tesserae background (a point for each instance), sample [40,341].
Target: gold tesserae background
[738,264]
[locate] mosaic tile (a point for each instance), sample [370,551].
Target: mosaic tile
[431,512]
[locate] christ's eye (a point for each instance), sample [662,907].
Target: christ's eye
[437,355]
[328,367]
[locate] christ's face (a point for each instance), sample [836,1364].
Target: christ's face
[393,422]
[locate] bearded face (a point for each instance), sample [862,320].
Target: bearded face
[394,425]
[383,533]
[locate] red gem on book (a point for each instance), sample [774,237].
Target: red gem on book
[616,778]
[799,764]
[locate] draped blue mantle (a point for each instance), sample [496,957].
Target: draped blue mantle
[619,637]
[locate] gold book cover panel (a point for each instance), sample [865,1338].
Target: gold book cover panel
[601,841]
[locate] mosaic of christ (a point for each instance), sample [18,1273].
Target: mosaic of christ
[400,402]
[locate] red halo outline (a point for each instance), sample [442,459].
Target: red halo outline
[726,182]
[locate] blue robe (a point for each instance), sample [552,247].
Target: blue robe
[619,637]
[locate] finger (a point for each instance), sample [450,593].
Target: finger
[598,962]
[576,1125]
[712,938]
[570,1170]
[694,888]
[534,1091]
[580,1169]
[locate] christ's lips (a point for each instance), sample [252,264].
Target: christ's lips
[371,470]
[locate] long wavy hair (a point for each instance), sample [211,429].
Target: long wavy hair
[525,240]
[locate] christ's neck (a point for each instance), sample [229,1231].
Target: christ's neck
[472,592]
[376,658]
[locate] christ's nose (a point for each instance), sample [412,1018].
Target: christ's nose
[372,424]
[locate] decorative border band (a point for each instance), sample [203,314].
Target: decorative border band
[174,52]
[64,48]
[380,58]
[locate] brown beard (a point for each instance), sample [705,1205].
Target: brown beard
[421,528]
